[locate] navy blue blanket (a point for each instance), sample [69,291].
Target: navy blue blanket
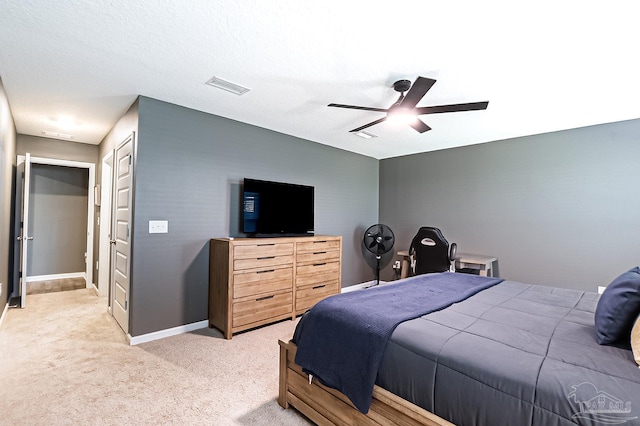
[341,340]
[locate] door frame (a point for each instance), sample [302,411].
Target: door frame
[25,190]
[90,204]
[104,246]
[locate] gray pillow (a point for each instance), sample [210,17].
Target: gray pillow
[618,308]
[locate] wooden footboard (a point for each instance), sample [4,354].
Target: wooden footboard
[326,406]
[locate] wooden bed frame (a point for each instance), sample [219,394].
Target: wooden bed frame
[326,406]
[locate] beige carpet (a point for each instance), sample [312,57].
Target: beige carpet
[64,360]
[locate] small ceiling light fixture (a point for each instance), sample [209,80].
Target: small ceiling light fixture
[227,85]
[56,135]
[365,135]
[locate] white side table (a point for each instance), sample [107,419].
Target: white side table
[480,262]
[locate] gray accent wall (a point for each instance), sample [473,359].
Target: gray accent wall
[57,220]
[7,185]
[559,209]
[188,170]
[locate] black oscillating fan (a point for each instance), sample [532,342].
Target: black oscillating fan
[379,240]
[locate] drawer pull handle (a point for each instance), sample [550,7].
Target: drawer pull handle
[265,272]
[319,242]
[319,286]
[319,264]
[266,257]
[264,298]
[267,244]
[320,252]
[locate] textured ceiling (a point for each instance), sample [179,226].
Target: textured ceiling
[74,67]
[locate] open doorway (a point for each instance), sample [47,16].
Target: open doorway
[46,186]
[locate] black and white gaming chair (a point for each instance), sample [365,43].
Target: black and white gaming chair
[430,252]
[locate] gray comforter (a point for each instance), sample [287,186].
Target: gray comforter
[342,339]
[514,354]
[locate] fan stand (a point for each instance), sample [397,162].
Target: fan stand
[378,257]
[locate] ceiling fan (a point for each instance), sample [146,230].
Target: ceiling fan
[405,106]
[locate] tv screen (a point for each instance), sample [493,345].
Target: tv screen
[276,208]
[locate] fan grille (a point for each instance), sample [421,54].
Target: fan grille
[379,239]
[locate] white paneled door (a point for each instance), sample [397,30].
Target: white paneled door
[121,233]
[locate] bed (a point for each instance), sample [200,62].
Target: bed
[510,353]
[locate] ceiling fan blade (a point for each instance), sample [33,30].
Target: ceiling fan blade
[472,106]
[417,91]
[419,126]
[373,123]
[358,107]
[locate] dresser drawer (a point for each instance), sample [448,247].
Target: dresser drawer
[253,282]
[308,296]
[258,250]
[264,262]
[318,256]
[316,273]
[321,245]
[260,308]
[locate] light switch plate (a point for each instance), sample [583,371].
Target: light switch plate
[158,226]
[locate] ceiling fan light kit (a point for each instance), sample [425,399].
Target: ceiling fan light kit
[401,115]
[404,110]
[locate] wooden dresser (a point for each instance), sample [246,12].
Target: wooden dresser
[256,281]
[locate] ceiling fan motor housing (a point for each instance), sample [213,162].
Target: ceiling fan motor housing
[401,86]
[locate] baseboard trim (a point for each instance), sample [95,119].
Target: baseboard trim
[4,312]
[149,337]
[360,286]
[37,278]
[354,287]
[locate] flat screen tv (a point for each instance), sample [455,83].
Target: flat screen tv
[277,208]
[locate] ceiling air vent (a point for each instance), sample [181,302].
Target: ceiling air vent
[226,85]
